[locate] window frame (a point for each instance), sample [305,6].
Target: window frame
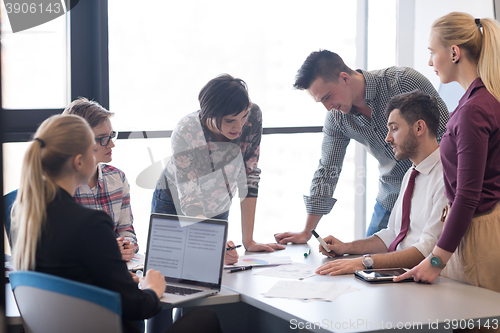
[89,69]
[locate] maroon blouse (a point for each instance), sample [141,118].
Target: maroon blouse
[470,153]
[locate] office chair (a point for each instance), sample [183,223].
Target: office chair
[51,304]
[9,199]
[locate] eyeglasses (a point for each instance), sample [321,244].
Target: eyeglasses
[104,141]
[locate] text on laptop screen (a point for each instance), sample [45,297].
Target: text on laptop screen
[186,250]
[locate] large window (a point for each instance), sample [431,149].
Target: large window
[34,78]
[34,65]
[381,54]
[381,34]
[162,54]
[280,206]
[161,58]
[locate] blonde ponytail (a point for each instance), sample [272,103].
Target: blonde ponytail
[488,66]
[29,208]
[480,39]
[56,141]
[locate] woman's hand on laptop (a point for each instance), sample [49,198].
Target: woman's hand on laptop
[154,281]
[232,255]
[134,277]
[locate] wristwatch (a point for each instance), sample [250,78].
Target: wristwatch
[367,261]
[436,262]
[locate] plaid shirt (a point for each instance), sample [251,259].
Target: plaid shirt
[340,128]
[112,195]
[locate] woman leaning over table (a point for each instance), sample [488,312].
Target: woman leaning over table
[53,234]
[467,50]
[215,154]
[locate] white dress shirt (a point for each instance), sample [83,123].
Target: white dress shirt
[427,203]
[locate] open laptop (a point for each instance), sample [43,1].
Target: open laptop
[189,252]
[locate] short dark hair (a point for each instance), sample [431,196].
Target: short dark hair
[414,106]
[324,64]
[91,111]
[223,96]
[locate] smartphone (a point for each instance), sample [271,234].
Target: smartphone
[381,275]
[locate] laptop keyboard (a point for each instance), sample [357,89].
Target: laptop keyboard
[180,290]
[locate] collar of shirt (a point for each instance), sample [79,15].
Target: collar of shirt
[370,86]
[100,178]
[425,167]
[370,90]
[476,84]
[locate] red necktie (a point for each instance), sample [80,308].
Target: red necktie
[405,221]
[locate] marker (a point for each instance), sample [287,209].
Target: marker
[239,269]
[321,241]
[307,253]
[233,247]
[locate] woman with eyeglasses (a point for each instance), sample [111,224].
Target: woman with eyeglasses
[108,188]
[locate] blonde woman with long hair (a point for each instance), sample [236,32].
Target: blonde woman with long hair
[54,234]
[467,50]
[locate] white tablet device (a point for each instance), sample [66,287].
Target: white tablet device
[381,275]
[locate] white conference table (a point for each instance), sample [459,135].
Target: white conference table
[375,308]
[241,307]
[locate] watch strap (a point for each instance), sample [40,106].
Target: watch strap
[367,257]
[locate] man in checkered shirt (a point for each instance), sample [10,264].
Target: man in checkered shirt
[357,101]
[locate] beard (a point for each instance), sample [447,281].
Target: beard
[408,148]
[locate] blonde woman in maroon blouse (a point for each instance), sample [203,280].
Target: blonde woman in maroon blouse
[467,50]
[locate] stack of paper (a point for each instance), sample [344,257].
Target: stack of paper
[326,291]
[262,260]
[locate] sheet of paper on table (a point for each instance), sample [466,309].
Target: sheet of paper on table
[293,271]
[261,260]
[136,261]
[327,291]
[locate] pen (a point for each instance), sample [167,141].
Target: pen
[137,268]
[321,241]
[307,253]
[233,247]
[239,269]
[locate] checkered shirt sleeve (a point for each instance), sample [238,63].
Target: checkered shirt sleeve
[112,195]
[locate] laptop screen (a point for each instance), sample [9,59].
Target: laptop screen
[185,250]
